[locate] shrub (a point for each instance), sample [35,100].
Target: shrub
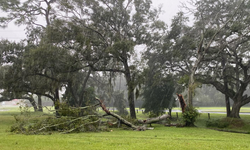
[225,123]
[217,124]
[190,115]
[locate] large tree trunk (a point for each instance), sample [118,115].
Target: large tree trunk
[131,96]
[81,99]
[191,89]
[40,107]
[33,103]
[223,63]
[56,101]
[132,104]
[235,113]
[228,105]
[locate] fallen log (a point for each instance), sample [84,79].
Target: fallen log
[171,125]
[153,120]
[122,120]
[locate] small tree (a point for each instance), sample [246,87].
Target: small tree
[158,92]
[190,115]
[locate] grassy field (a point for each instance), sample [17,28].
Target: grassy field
[218,109]
[119,139]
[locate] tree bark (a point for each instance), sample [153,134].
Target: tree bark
[132,105]
[228,108]
[224,73]
[131,89]
[235,113]
[81,100]
[191,89]
[33,103]
[56,101]
[40,107]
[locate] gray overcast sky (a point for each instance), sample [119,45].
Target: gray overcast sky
[170,8]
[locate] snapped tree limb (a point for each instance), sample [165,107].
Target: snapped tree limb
[153,120]
[122,120]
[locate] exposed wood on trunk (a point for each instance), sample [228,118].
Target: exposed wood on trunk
[182,102]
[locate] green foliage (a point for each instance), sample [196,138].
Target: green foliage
[66,110]
[152,114]
[209,33]
[217,124]
[70,120]
[120,102]
[229,123]
[86,97]
[158,93]
[184,80]
[190,116]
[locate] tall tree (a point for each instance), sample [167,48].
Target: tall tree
[206,24]
[28,13]
[229,38]
[15,82]
[158,92]
[114,28]
[210,49]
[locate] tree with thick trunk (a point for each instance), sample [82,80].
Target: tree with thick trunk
[239,98]
[217,51]
[112,30]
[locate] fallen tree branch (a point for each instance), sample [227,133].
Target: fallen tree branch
[70,121]
[153,120]
[71,130]
[122,120]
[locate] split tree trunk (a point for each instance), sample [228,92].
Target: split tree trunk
[182,102]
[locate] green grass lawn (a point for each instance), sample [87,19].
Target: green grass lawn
[218,109]
[161,137]
[221,109]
